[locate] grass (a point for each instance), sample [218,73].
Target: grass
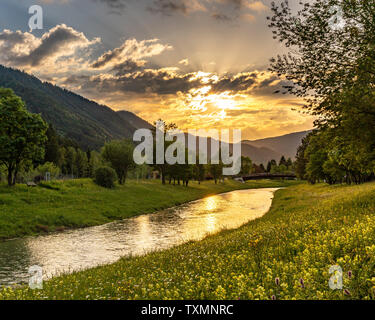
[286,254]
[57,206]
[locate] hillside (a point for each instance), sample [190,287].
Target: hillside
[284,145]
[259,155]
[73,116]
[133,120]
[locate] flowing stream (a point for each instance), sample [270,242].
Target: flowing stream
[89,247]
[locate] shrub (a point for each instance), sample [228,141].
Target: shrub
[105,177]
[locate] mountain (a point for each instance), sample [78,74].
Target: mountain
[133,120]
[259,155]
[73,116]
[284,145]
[91,124]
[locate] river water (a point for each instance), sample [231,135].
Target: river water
[89,247]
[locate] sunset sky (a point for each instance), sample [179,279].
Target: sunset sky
[199,63]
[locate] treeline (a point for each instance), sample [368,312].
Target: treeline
[331,64]
[31,150]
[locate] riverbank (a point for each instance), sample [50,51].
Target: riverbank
[286,254]
[57,206]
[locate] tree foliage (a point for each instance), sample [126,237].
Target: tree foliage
[331,64]
[119,154]
[22,134]
[105,177]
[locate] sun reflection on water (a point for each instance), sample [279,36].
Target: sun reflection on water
[84,248]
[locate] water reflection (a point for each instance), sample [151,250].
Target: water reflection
[89,247]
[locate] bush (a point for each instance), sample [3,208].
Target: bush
[105,177]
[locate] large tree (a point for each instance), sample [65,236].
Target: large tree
[163,168]
[331,64]
[331,48]
[119,154]
[22,134]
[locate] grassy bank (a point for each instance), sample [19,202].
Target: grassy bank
[57,206]
[308,229]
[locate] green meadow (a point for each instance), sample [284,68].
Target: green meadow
[57,206]
[286,254]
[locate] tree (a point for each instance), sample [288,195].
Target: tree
[70,158]
[301,159]
[52,146]
[95,162]
[269,167]
[289,163]
[331,64]
[283,162]
[119,154]
[81,163]
[316,152]
[199,172]
[246,166]
[330,46]
[262,168]
[165,167]
[22,134]
[216,170]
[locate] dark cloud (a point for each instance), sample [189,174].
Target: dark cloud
[267,82]
[11,39]
[131,49]
[130,77]
[168,7]
[144,82]
[222,17]
[128,66]
[220,10]
[242,82]
[116,6]
[52,43]
[24,49]
[107,57]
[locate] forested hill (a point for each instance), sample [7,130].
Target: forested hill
[73,116]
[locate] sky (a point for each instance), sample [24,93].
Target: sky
[202,64]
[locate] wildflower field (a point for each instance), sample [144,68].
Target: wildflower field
[286,254]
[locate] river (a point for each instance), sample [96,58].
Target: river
[89,247]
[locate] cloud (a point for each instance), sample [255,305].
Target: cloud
[128,66]
[130,50]
[220,10]
[248,17]
[237,83]
[222,17]
[258,6]
[169,7]
[25,50]
[184,62]
[149,81]
[126,77]
[115,6]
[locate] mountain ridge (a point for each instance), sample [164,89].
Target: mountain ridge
[285,145]
[91,124]
[73,116]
